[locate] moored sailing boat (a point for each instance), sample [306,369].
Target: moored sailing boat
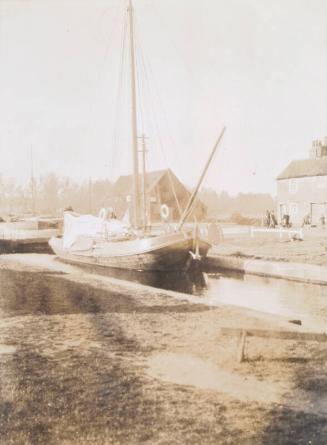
[167,252]
[133,249]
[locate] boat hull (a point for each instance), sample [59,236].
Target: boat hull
[161,253]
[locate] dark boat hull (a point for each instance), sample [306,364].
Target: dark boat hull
[162,253]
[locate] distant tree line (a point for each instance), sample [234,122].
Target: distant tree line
[244,205]
[50,194]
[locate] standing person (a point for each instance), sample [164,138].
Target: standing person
[306,220]
[322,221]
[273,221]
[267,220]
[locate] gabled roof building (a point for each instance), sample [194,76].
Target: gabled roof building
[302,187]
[162,187]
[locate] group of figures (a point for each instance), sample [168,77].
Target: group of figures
[270,219]
[307,221]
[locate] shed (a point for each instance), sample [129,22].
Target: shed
[162,187]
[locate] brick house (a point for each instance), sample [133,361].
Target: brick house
[302,187]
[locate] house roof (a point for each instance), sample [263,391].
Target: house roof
[124,184]
[305,167]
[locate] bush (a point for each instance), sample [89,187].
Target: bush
[237,218]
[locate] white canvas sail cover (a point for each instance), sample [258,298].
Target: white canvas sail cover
[76,227]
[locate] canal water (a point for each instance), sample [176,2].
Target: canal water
[294,300]
[21,292]
[290,299]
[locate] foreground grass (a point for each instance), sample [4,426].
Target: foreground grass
[79,373]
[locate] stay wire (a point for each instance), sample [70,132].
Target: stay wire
[119,98]
[151,100]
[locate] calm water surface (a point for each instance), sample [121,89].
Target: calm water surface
[276,296]
[22,293]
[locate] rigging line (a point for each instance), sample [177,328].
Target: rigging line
[108,48]
[189,73]
[160,106]
[108,45]
[159,136]
[148,65]
[161,145]
[165,159]
[162,148]
[119,94]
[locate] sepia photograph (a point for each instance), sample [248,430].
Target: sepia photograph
[163,206]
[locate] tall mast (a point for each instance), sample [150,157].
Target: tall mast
[144,203]
[90,195]
[136,189]
[32,182]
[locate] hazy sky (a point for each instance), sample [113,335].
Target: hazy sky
[257,66]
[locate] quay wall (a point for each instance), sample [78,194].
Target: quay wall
[308,273]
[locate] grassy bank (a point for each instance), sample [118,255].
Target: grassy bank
[87,364]
[312,249]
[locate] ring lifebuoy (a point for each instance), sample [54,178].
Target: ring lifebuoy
[164,211]
[103,214]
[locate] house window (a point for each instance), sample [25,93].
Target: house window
[293,186]
[293,208]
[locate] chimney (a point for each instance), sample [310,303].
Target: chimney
[318,149]
[313,151]
[324,148]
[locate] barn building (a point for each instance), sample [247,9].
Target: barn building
[162,187]
[302,187]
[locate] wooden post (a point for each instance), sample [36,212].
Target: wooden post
[241,348]
[297,335]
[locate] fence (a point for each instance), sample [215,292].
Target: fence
[280,231]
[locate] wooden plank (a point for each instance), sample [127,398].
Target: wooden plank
[278,334]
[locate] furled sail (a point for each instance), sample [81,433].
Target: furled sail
[81,226]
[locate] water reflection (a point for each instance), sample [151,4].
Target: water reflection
[290,299]
[23,293]
[194,282]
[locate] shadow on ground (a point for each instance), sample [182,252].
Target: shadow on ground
[28,293]
[97,396]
